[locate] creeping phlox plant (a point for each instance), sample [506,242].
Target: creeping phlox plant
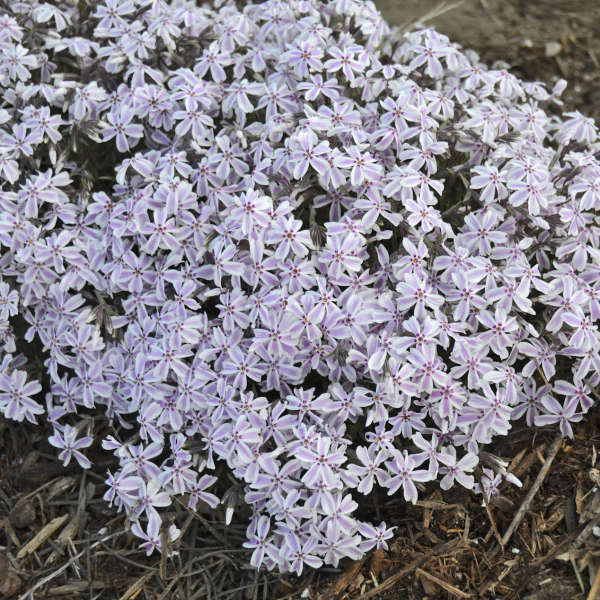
[284,245]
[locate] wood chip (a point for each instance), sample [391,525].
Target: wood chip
[427,514]
[134,590]
[22,514]
[378,562]
[435,505]
[75,587]
[41,537]
[60,487]
[443,584]
[547,462]
[67,534]
[346,579]
[394,579]
[10,583]
[579,495]
[556,516]
[5,524]
[527,461]
[467,527]
[516,460]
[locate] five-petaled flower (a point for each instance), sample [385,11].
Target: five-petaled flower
[70,447]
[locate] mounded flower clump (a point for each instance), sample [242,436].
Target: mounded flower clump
[284,245]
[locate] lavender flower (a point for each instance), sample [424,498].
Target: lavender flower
[70,447]
[15,396]
[457,470]
[121,127]
[404,473]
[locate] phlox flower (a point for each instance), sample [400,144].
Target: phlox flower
[70,447]
[404,473]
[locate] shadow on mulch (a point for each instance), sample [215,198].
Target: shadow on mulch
[59,540]
[450,546]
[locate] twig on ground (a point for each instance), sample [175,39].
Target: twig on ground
[488,510]
[585,533]
[491,15]
[169,587]
[552,452]
[119,556]
[72,527]
[577,575]
[204,522]
[467,528]
[134,589]
[44,533]
[63,483]
[415,564]
[435,504]
[61,569]
[75,587]
[438,11]
[446,586]
[556,550]
[593,595]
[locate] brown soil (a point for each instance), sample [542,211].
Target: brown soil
[521,33]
